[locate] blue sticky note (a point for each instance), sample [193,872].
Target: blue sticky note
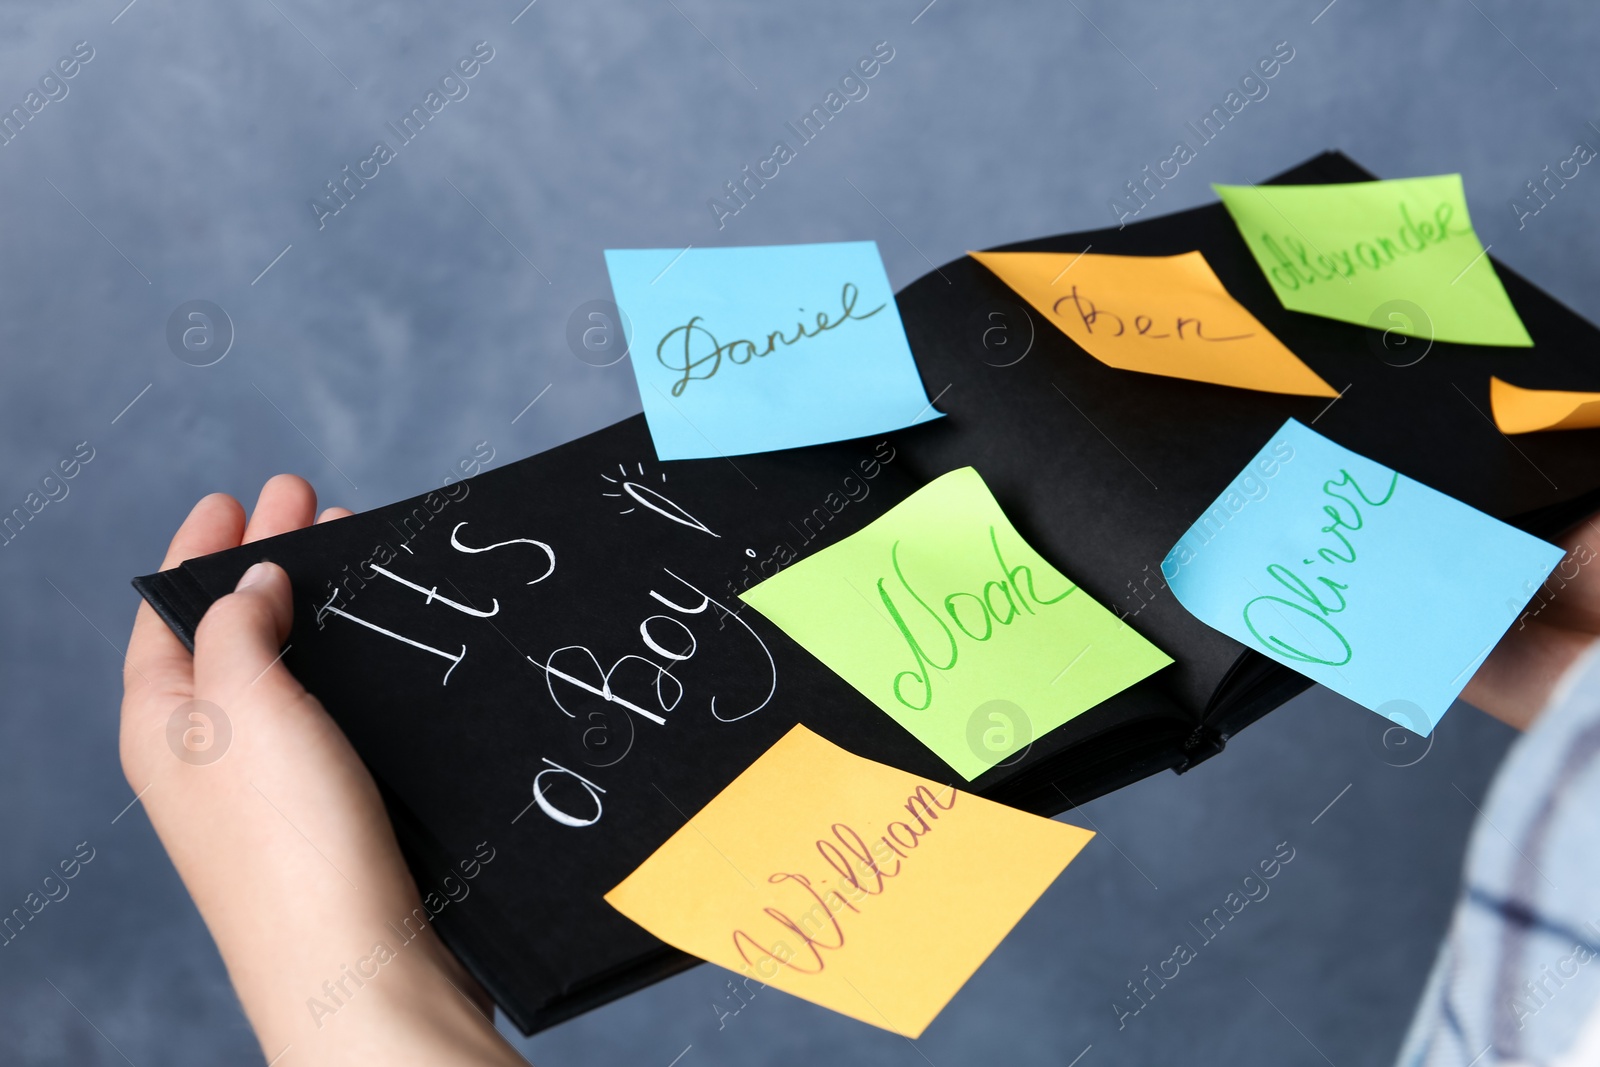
[1375,585]
[741,350]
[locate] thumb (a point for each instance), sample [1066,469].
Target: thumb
[242,634]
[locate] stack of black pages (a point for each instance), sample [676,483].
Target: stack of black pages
[551,659]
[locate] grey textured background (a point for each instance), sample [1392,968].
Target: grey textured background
[410,328]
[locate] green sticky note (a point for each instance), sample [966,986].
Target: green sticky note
[1399,256]
[942,615]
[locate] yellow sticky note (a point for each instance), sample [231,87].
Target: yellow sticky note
[1518,410]
[848,883]
[1157,314]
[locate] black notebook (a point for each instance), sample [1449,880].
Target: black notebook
[550,660]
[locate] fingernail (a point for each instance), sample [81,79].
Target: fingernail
[255,574]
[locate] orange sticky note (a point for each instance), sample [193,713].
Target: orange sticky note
[851,884]
[1157,314]
[1518,410]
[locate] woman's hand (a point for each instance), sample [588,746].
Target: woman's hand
[1559,624]
[282,839]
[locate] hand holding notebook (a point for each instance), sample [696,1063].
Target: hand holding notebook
[306,930]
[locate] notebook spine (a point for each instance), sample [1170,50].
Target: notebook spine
[180,600]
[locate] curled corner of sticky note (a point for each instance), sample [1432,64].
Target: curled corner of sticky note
[1519,410]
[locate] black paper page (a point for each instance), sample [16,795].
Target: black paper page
[1102,470]
[466,647]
